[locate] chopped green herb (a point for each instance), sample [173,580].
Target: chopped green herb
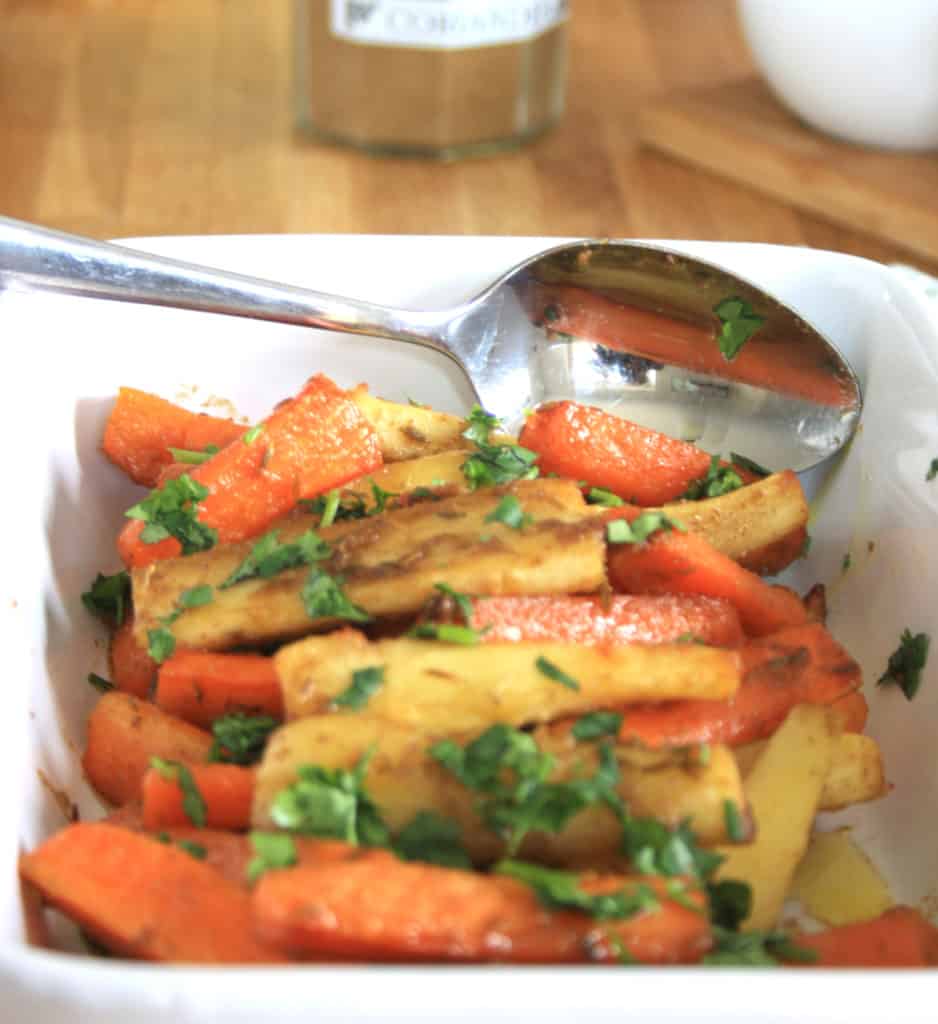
[253,434]
[806,546]
[193,804]
[365,681]
[195,597]
[932,471]
[597,724]
[108,597]
[241,738]
[416,404]
[424,494]
[717,480]
[509,512]
[462,601]
[331,803]
[191,458]
[906,663]
[734,822]
[621,531]
[618,947]
[432,838]
[480,425]
[845,564]
[269,557]
[730,902]
[351,506]
[330,507]
[755,949]
[551,313]
[738,323]
[381,499]
[561,890]
[193,849]
[746,463]
[554,672]
[160,644]
[600,496]
[446,633]
[655,849]
[510,772]
[160,641]
[323,597]
[689,638]
[272,851]
[499,464]
[704,754]
[101,684]
[172,511]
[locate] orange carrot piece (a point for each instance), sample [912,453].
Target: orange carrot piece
[801,665]
[900,937]
[132,668]
[124,733]
[586,443]
[201,686]
[622,619]
[378,907]
[792,369]
[145,899]
[226,789]
[685,563]
[143,427]
[853,711]
[310,443]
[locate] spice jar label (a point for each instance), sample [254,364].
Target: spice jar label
[444,24]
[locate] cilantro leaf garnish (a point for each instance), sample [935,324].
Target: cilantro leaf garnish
[101,684]
[730,902]
[510,773]
[555,673]
[330,508]
[269,556]
[621,531]
[323,597]
[160,644]
[108,597]
[745,463]
[194,458]
[195,850]
[462,601]
[160,641]
[509,512]
[193,803]
[734,822]
[446,633]
[596,725]
[365,682]
[272,851]
[350,506]
[755,949]
[600,496]
[434,839]
[906,663]
[332,803]
[480,425]
[716,481]
[932,471]
[253,434]
[172,511]
[561,890]
[494,463]
[240,738]
[738,323]
[381,499]
[655,849]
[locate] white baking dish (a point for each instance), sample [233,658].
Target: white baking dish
[62,504]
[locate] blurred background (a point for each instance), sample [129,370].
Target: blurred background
[129,117]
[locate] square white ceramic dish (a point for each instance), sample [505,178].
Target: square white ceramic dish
[63,503]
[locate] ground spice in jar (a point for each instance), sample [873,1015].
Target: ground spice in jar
[443,78]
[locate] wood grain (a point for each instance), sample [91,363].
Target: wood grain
[128,117]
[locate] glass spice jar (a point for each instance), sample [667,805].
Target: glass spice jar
[436,78]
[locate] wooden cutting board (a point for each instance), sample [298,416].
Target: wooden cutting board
[739,130]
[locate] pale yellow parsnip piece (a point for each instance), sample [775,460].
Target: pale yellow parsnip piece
[784,790]
[441,687]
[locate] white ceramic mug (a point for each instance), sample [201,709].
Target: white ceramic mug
[862,70]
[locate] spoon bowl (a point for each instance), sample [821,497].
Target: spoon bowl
[669,341]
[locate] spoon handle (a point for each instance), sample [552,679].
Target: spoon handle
[39,259]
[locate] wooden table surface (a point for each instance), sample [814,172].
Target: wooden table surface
[129,117]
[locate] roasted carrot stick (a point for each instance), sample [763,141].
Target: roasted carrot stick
[853,711]
[132,668]
[378,907]
[584,314]
[685,563]
[145,899]
[124,733]
[801,665]
[225,792]
[900,937]
[142,428]
[310,443]
[622,619]
[201,686]
[604,450]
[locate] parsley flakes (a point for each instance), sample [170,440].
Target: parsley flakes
[906,663]
[716,481]
[365,682]
[193,803]
[108,597]
[272,851]
[738,323]
[269,557]
[557,674]
[621,531]
[491,463]
[172,511]
[240,738]
[510,513]
[160,641]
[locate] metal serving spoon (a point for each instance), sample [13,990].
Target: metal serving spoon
[634,328]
